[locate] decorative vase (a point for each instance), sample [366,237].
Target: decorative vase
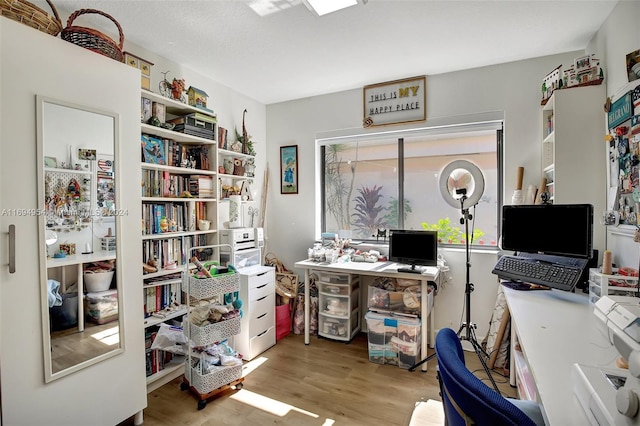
[235,218]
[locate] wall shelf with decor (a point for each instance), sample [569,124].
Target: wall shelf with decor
[234,169]
[179,163]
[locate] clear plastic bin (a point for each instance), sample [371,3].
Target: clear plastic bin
[393,339]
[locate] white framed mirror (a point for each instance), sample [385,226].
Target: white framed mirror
[77,202]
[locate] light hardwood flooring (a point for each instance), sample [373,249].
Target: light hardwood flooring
[70,347]
[324,383]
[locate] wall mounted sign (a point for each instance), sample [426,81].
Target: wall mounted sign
[621,110]
[395,102]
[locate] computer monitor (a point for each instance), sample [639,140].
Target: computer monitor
[555,229]
[413,248]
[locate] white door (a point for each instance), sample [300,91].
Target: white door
[110,391]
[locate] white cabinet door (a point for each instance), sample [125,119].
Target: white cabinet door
[108,392]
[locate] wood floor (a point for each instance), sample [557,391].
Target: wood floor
[324,383]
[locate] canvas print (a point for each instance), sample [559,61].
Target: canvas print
[289,169]
[153,150]
[633,65]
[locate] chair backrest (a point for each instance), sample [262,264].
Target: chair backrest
[466,399]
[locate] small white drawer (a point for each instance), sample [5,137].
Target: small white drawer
[261,291]
[260,279]
[261,323]
[262,341]
[263,305]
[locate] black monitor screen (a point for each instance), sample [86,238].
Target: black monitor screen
[413,247]
[556,229]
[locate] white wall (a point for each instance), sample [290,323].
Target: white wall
[513,88]
[619,35]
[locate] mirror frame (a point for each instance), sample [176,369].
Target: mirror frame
[49,375]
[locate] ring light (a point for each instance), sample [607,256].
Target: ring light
[461,178]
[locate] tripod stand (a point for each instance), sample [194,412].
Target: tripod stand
[467,325]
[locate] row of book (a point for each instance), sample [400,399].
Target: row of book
[171,251]
[160,297]
[168,152]
[159,183]
[156,360]
[160,218]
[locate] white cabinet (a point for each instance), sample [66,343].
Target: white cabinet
[338,305]
[67,72]
[574,154]
[179,211]
[258,326]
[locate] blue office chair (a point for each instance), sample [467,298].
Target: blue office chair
[468,400]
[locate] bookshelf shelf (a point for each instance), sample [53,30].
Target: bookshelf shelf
[187,164]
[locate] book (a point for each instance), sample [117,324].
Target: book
[152,150]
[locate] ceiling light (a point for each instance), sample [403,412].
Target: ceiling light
[322,7]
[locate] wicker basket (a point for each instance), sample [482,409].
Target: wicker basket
[31,15]
[92,39]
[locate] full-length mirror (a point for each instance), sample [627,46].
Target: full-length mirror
[78,220]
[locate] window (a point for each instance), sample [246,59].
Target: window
[388,180]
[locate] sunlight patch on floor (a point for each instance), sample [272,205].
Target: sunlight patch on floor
[267,404]
[248,367]
[110,336]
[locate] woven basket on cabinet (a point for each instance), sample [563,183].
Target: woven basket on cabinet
[92,39]
[31,15]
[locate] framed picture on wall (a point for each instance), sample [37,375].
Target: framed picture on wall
[289,169]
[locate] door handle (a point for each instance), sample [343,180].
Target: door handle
[12,249]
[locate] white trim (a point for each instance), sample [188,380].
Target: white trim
[434,126]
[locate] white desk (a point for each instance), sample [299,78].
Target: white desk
[377,269]
[557,329]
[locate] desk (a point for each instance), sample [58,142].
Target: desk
[557,329]
[377,269]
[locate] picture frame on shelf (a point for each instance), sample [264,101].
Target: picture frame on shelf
[633,65]
[51,162]
[289,169]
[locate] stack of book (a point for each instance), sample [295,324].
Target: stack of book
[196,124]
[201,186]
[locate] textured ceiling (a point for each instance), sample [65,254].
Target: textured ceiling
[285,52]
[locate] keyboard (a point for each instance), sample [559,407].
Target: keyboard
[536,271]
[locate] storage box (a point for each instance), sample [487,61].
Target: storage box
[338,327]
[393,339]
[203,122]
[337,289]
[329,277]
[407,301]
[339,306]
[611,285]
[108,243]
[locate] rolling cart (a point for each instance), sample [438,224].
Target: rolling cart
[206,382]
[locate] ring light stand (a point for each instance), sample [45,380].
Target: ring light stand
[461,186]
